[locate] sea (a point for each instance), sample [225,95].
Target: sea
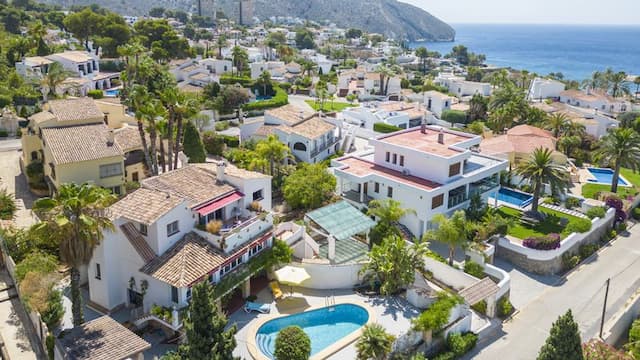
[574,50]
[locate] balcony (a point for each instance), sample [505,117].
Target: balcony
[484,185]
[457,196]
[236,233]
[326,146]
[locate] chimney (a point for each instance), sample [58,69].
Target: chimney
[441,137]
[220,171]
[423,126]
[110,138]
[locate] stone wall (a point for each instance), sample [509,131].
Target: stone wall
[547,262]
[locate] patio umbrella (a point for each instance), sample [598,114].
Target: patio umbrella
[292,276]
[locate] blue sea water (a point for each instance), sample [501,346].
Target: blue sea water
[574,50]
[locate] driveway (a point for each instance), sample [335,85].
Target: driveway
[582,292]
[12,179]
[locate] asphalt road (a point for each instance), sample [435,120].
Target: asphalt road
[582,292]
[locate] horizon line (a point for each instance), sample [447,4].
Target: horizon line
[543,24]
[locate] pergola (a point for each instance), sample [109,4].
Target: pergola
[339,221]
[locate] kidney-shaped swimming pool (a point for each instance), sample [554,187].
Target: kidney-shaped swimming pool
[325,327]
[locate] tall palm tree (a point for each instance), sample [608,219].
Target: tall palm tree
[75,218]
[265,80]
[274,152]
[636,81]
[151,111]
[55,76]
[139,96]
[131,54]
[37,31]
[388,211]
[423,54]
[557,123]
[184,108]
[221,42]
[169,99]
[618,84]
[619,148]
[540,169]
[239,57]
[451,231]
[374,343]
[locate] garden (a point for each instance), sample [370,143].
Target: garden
[596,191]
[330,106]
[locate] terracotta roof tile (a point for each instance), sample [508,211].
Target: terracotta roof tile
[102,339]
[128,138]
[144,206]
[312,128]
[74,109]
[80,143]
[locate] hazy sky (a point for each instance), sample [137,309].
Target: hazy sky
[534,11]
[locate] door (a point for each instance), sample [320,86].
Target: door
[366,188]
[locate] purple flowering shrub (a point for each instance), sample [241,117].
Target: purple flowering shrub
[549,242]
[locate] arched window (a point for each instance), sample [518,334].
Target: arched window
[299,146]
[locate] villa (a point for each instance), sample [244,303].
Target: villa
[518,144]
[430,169]
[365,83]
[163,241]
[460,87]
[594,99]
[309,136]
[400,114]
[545,89]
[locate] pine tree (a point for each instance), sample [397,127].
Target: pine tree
[193,146]
[564,341]
[206,337]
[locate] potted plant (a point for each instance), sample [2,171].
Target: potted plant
[214,227]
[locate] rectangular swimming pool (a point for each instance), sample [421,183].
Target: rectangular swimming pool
[605,176]
[517,198]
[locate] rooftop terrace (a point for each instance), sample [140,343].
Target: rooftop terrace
[428,141]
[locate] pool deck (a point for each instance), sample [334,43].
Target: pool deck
[393,313]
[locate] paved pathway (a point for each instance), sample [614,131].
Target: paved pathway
[17,340]
[582,291]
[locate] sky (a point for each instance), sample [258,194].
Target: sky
[613,12]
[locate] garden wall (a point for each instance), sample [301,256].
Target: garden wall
[452,277]
[617,327]
[547,262]
[325,276]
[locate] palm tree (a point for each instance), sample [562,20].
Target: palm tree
[619,148]
[385,73]
[540,169]
[636,81]
[150,112]
[423,54]
[274,152]
[388,211]
[138,97]
[374,343]
[557,123]
[37,31]
[76,218]
[265,80]
[184,108]
[221,42]
[129,51]
[169,99]
[618,83]
[451,231]
[239,57]
[307,68]
[55,76]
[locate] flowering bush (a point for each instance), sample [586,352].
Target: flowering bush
[549,242]
[616,203]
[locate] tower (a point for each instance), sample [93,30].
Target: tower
[207,8]
[246,12]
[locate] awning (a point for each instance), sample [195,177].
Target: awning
[220,203]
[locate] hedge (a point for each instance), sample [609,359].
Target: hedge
[454,116]
[279,99]
[231,141]
[385,128]
[231,80]
[95,94]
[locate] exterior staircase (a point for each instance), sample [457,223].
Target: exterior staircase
[406,233]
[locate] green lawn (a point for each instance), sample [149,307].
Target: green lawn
[550,225]
[591,190]
[329,106]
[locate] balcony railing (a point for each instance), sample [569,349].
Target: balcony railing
[318,150]
[241,233]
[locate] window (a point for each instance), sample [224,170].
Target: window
[454,169]
[256,249]
[390,192]
[188,293]
[98,272]
[110,170]
[34,155]
[230,266]
[376,187]
[174,294]
[388,157]
[116,190]
[135,177]
[143,229]
[437,201]
[172,228]
[257,195]
[401,160]
[395,158]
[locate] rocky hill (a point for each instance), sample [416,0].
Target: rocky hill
[389,17]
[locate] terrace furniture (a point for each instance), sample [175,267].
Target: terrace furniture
[275,290]
[259,307]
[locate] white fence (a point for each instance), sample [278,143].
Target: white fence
[504,283]
[452,277]
[325,276]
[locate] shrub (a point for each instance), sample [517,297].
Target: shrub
[52,315]
[292,344]
[454,116]
[214,227]
[572,202]
[36,262]
[227,79]
[255,206]
[579,226]
[436,316]
[612,234]
[569,261]
[8,205]
[213,143]
[549,242]
[460,344]
[192,145]
[504,307]
[5,100]
[4,133]
[51,345]
[448,355]
[221,125]
[231,141]
[474,269]
[587,250]
[481,307]
[634,339]
[636,213]
[95,94]
[596,212]
[614,202]
[385,128]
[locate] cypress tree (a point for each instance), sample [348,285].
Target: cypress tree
[206,337]
[564,341]
[193,146]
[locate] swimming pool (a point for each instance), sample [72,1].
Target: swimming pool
[514,197]
[112,92]
[605,176]
[325,327]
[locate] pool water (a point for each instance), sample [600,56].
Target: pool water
[513,197]
[112,93]
[605,176]
[324,326]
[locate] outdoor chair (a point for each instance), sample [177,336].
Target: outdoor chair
[275,290]
[259,307]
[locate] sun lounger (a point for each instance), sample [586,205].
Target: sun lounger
[275,290]
[261,308]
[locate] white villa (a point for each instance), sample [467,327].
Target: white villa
[544,89]
[396,113]
[596,100]
[159,247]
[363,83]
[430,169]
[309,136]
[437,102]
[199,72]
[460,87]
[84,65]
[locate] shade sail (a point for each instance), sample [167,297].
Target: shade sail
[341,220]
[292,275]
[220,203]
